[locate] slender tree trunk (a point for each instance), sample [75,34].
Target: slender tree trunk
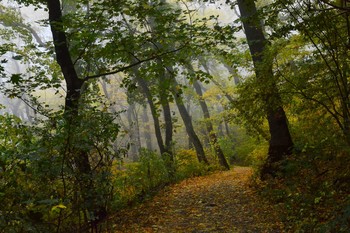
[165,149]
[163,89]
[147,133]
[144,86]
[280,143]
[168,129]
[186,118]
[209,126]
[188,109]
[137,129]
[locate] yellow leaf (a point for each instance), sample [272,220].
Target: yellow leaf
[57,207]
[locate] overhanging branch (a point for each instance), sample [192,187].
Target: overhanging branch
[334,6]
[132,65]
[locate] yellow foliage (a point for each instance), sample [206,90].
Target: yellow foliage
[185,157]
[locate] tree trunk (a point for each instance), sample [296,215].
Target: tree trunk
[280,143]
[186,118]
[209,126]
[137,129]
[163,89]
[74,84]
[168,129]
[74,89]
[147,133]
[148,94]
[133,132]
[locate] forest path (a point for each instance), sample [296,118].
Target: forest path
[220,202]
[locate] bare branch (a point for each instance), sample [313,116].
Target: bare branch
[334,6]
[132,65]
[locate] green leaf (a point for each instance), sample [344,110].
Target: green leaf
[16,78]
[17,57]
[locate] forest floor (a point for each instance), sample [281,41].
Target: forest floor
[220,202]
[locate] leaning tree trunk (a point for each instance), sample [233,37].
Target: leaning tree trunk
[280,143]
[148,94]
[212,135]
[186,118]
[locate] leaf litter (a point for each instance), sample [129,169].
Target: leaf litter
[220,202]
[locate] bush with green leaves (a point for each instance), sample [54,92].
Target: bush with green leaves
[135,180]
[29,178]
[313,190]
[243,149]
[41,189]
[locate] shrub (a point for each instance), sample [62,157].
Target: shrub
[135,180]
[187,165]
[242,149]
[313,190]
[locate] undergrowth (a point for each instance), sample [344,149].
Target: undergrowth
[312,190]
[136,181]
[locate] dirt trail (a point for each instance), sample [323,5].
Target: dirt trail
[221,202]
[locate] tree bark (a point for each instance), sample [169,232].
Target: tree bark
[146,133]
[74,84]
[63,57]
[280,143]
[148,94]
[74,88]
[212,135]
[168,129]
[186,118]
[134,133]
[163,90]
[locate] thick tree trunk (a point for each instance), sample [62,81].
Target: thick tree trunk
[74,84]
[280,143]
[209,126]
[134,132]
[74,88]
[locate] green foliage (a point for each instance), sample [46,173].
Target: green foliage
[313,191]
[40,185]
[134,181]
[28,179]
[243,149]
[43,184]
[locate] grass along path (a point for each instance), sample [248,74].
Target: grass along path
[221,202]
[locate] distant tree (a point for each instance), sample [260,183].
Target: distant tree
[212,135]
